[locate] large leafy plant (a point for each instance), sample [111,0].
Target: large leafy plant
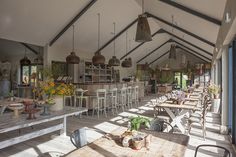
[136,122]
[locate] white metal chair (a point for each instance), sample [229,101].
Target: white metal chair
[136,96]
[129,97]
[114,100]
[210,150]
[66,97]
[199,120]
[79,97]
[123,97]
[101,102]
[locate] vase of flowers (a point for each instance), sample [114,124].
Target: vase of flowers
[214,90]
[51,92]
[45,110]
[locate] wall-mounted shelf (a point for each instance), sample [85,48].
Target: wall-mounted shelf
[90,73]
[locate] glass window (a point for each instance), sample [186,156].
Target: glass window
[29,73]
[25,75]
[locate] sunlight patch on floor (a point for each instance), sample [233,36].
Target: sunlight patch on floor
[116,119]
[106,127]
[127,114]
[122,121]
[146,108]
[29,151]
[119,120]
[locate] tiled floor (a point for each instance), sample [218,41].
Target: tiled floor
[50,145]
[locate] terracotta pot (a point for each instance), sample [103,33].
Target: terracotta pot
[216,96]
[137,142]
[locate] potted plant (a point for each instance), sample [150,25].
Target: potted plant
[214,90]
[52,93]
[136,123]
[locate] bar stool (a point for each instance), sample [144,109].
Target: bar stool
[101,101]
[129,97]
[136,96]
[79,97]
[65,97]
[114,102]
[123,96]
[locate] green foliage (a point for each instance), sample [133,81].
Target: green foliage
[46,72]
[137,121]
[167,79]
[214,89]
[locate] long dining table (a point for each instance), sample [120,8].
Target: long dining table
[161,145]
[184,108]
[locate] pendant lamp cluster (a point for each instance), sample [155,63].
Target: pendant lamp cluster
[98,58]
[172,54]
[114,61]
[143,32]
[25,60]
[127,63]
[72,58]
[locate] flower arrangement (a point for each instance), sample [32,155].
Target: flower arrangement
[50,89]
[214,89]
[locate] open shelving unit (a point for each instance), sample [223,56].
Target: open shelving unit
[96,73]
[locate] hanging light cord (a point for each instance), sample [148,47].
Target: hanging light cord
[142,6]
[115,39]
[25,51]
[73,39]
[98,30]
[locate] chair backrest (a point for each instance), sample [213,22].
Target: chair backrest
[129,90]
[114,95]
[79,92]
[208,149]
[114,91]
[123,92]
[205,106]
[136,94]
[101,93]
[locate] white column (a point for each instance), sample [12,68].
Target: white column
[212,74]
[216,72]
[46,61]
[225,84]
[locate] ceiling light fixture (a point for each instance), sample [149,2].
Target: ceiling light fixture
[72,58]
[114,61]
[98,58]
[143,32]
[127,63]
[25,60]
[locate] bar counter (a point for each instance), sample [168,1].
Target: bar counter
[108,86]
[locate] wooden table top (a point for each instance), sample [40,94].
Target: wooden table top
[9,123]
[178,106]
[162,145]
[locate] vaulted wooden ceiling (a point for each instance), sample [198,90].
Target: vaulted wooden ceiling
[38,22]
